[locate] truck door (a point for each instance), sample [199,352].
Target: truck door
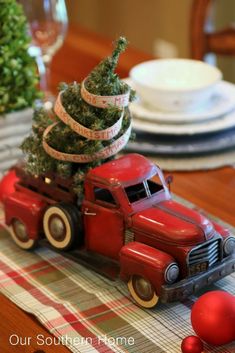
[104,223]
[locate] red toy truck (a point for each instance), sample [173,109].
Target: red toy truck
[126,222]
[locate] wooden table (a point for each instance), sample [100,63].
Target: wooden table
[214,190]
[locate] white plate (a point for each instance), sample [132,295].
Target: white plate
[225,122]
[221,103]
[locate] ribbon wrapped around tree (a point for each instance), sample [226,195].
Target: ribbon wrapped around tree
[95,100]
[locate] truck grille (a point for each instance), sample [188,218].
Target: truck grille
[129,236]
[208,252]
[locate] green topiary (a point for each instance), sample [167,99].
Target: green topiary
[18,74]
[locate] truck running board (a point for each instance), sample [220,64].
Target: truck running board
[98,263]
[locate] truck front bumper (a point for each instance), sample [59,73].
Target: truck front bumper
[182,289]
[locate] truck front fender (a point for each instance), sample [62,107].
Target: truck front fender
[145,261]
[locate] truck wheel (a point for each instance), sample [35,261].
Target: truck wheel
[20,235]
[61,224]
[142,291]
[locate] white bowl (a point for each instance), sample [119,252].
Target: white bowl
[175,84]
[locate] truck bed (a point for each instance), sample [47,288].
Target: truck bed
[49,185]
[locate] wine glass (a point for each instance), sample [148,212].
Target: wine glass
[47,21]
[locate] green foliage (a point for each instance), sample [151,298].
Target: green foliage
[63,139]
[103,80]
[38,161]
[18,78]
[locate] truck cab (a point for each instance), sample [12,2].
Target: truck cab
[128,217]
[114,192]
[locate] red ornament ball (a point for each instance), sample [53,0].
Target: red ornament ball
[191,344]
[213,317]
[7,184]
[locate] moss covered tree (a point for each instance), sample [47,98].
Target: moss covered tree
[18,74]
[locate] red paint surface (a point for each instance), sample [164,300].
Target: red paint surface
[190,215]
[127,170]
[28,209]
[145,261]
[169,227]
[7,185]
[104,231]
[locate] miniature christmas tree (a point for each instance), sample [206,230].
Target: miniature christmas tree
[102,128]
[18,76]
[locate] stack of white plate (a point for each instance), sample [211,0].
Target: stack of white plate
[183,109]
[211,128]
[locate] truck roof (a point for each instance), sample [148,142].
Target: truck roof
[127,170]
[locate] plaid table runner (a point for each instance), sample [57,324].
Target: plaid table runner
[89,313]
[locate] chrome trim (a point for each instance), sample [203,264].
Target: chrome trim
[190,285]
[169,267]
[225,242]
[210,252]
[88,213]
[128,236]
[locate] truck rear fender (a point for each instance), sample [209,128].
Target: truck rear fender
[26,208]
[145,261]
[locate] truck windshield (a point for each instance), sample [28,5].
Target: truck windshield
[143,190]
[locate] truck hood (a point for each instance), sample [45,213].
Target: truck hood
[174,223]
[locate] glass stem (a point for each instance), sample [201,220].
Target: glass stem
[36,53]
[46,81]
[42,73]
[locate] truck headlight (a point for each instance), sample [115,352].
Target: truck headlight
[171,273]
[229,245]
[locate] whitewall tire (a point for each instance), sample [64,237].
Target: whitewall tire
[142,291]
[20,236]
[60,224]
